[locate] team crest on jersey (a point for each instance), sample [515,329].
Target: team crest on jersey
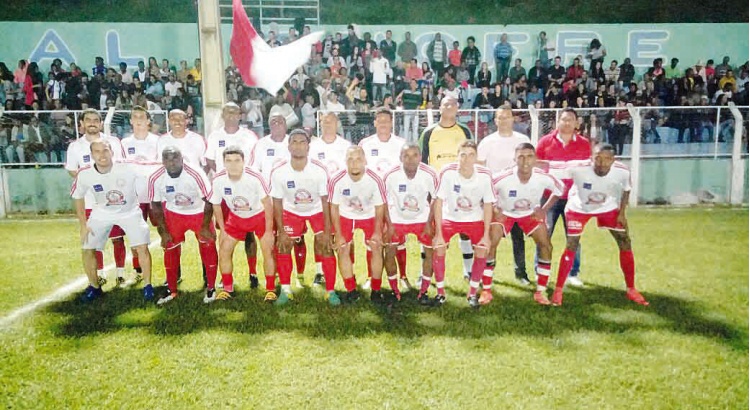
[512,193]
[522,205]
[87,158]
[115,198]
[411,204]
[227,191]
[456,188]
[596,198]
[302,196]
[321,155]
[290,184]
[222,143]
[131,150]
[586,185]
[240,203]
[374,152]
[345,192]
[402,188]
[98,188]
[356,204]
[270,152]
[170,189]
[463,204]
[183,200]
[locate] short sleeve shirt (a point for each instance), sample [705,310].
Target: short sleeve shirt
[409,199]
[300,191]
[463,199]
[182,195]
[517,199]
[356,200]
[244,196]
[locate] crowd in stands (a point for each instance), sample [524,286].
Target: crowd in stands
[360,74]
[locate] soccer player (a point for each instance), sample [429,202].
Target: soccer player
[357,197]
[519,191]
[79,156]
[463,204]
[113,188]
[562,145]
[497,152]
[245,193]
[185,190]
[382,151]
[191,145]
[299,188]
[140,149]
[231,134]
[439,144]
[330,150]
[411,189]
[601,190]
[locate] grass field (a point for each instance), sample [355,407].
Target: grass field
[689,349]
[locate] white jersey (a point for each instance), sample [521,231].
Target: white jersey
[332,155]
[219,140]
[269,153]
[499,152]
[592,194]
[463,198]
[356,200]
[79,156]
[192,146]
[409,199]
[244,196]
[300,191]
[382,156]
[114,192]
[141,150]
[517,199]
[184,194]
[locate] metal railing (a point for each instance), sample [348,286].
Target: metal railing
[280,11]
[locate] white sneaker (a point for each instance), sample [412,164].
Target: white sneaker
[210,296]
[166,299]
[136,279]
[418,283]
[366,285]
[405,285]
[574,282]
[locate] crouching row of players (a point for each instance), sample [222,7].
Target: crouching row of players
[410,199]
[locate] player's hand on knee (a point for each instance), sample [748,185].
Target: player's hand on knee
[339,243]
[85,232]
[166,239]
[539,214]
[207,233]
[622,220]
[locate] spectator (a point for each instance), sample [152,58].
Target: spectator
[368,40]
[413,71]
[728,80]
[381,72]
[534,94]
[544,46]
[462,76]
[721,69]
[75,71]
[196,71]
[125,76]
[33,85]
[388,48]
[612,73]
[575,71]
[437,54]
[98,67]
[333,103]
[272,40]
[153,67]
[484,77]
[164,70]
[516,71]
[454,56]
[597,73]
[354,61]
[55,87]
[503,53]
[309,112]
[155,88]
[183,72]
[141,73]
[428,77]
[596,53]
[673,73]
[407,50]
[537,75]
[38,137]
[627,73]
[482,100]
[556,73]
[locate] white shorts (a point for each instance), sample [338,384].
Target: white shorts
[133,224]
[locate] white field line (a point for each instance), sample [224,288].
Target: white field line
[59,294]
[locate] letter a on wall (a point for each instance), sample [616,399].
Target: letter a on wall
[52,46]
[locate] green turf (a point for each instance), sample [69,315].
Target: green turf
[689,349]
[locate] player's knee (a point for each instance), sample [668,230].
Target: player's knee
[572,243]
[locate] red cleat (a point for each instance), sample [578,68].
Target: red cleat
[485,298]
[541,298]
[557,297]
[636,297]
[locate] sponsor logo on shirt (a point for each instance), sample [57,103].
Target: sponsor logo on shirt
[463,204]
[227,191]
[131,150]
[87,158]
[456,188]
[374,152]
[270,152]
[411,204]
[290,184]
[98,188]
[170,189]
[402,188]
[345,192]
[321,155]
[586,185]
[356,204]
[512,193]
[522,205]
[222,143]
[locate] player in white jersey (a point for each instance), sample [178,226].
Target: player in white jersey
[140,149]
[244,193]
[115,202]
[231,134]
[191,145]
[463,205]
[519,191]
[184,189]
[411,189]
[497,152]
[299,189]
[382,151]
[601,190]
[357,197]
[79,156]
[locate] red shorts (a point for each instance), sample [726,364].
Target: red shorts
[295,226]
[349,225]
[474,230]
[401,230]
[238,228]
[224,210]
[178,224]
[527,224]
[116,231]
[576,221]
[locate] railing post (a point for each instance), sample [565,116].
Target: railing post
[534,115]
[635,155]
[738,164]
[716,133]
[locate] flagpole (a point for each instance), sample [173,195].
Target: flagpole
[212,64]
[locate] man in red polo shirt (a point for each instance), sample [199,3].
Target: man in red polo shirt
[562,145]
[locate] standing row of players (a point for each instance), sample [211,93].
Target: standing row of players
[338,188]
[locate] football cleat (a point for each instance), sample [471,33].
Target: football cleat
[473,302]
[270,297]
[405,285]
[92,293]
[424,300]
[439,300]
[253,281]
[101,279]
[136,279]
[418,284]
[120,282]
[636,297]
[283,298]
[557,297]
[352,296]
[366,285]
[319,280]
[210,296]
[377,297]
[574,282]
[166,299]
[540,297]
[467,276]
[223,295]
[485,297]
[148,293]
[333,298]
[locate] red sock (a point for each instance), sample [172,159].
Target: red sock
[227,280]
[99,260]
[284,267]
[136,261]
[300,257]
[350,283]
[542,273]
[393,283]
[566,264]
[270,283]
[376,284]
[210,259]
[329,271]
[171,263]
[438,265]
[401,261]
[369,259]
[252,265]
[627,264]
[477,268]
[118,249]
[425,285]
[487,278]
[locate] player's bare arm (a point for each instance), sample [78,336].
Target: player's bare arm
[325,240]
[80,206]
[219,217]
[283,241]
[541,213]
[161,224]
[438,241]
[208,214]
[336,220]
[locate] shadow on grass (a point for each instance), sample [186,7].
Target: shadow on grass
[596,308]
